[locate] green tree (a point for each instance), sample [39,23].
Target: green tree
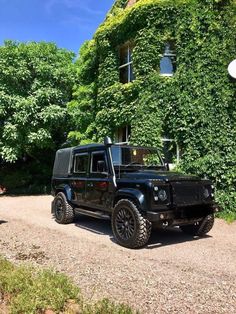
[36,81]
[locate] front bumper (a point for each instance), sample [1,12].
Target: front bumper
[174,217]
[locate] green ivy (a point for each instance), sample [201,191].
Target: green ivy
[196,106]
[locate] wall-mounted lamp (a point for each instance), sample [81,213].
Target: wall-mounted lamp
[232,69]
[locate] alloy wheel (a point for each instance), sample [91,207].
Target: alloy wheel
[125,224]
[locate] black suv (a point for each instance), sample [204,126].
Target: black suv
[131,186]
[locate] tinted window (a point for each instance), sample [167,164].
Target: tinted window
[96,157]
[81,163]
[116,155]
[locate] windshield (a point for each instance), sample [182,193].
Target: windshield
[135,156]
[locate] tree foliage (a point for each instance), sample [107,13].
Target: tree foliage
[36,82]
[82,108]
[196,106]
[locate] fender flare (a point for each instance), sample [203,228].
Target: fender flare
[66,189]
[132,194]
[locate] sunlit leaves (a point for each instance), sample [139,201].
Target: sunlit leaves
[36,82]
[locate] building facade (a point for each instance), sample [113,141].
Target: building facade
[156,72]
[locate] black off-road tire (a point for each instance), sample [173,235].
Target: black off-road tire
[200,229]
[63,212]
[138,229]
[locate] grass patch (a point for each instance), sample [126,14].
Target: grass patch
[227,216]
[34,291]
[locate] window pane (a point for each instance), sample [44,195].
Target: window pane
[81,163]
[168,61]
[124,55]
[123,134]
[140,156]
[132,77]
[166,66]
[167,49]
[96,158]
[130,54]
[170,49]
[116,155]
[124,75]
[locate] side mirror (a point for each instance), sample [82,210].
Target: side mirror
[101,166]
[166,164]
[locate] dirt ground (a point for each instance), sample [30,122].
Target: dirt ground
[174,273]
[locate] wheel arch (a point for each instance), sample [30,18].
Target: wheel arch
[65,189]
[133,195]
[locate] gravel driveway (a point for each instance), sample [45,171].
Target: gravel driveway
[173,274]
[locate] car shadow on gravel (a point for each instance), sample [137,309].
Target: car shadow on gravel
[170,236]
[98,226]
[159,237]
[3,222]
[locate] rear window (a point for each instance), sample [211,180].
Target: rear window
[62,164]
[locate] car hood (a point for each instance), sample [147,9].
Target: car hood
[158,175]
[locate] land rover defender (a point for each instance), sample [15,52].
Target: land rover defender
[133,188]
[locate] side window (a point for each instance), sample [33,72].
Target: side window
[81,163]
[97,159]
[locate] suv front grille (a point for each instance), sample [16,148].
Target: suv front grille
[187,193]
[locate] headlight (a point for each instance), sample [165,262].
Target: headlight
[162,195]
[207,192]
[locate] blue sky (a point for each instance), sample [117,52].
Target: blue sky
[68,23]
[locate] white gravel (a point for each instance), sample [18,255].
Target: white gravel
[173,274]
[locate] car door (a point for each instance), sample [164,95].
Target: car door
[80,172]
[98,189]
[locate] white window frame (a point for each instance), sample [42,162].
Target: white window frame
[128,64]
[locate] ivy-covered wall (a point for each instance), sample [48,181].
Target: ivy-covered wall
[196,106]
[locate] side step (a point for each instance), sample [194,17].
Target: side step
[97,214]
